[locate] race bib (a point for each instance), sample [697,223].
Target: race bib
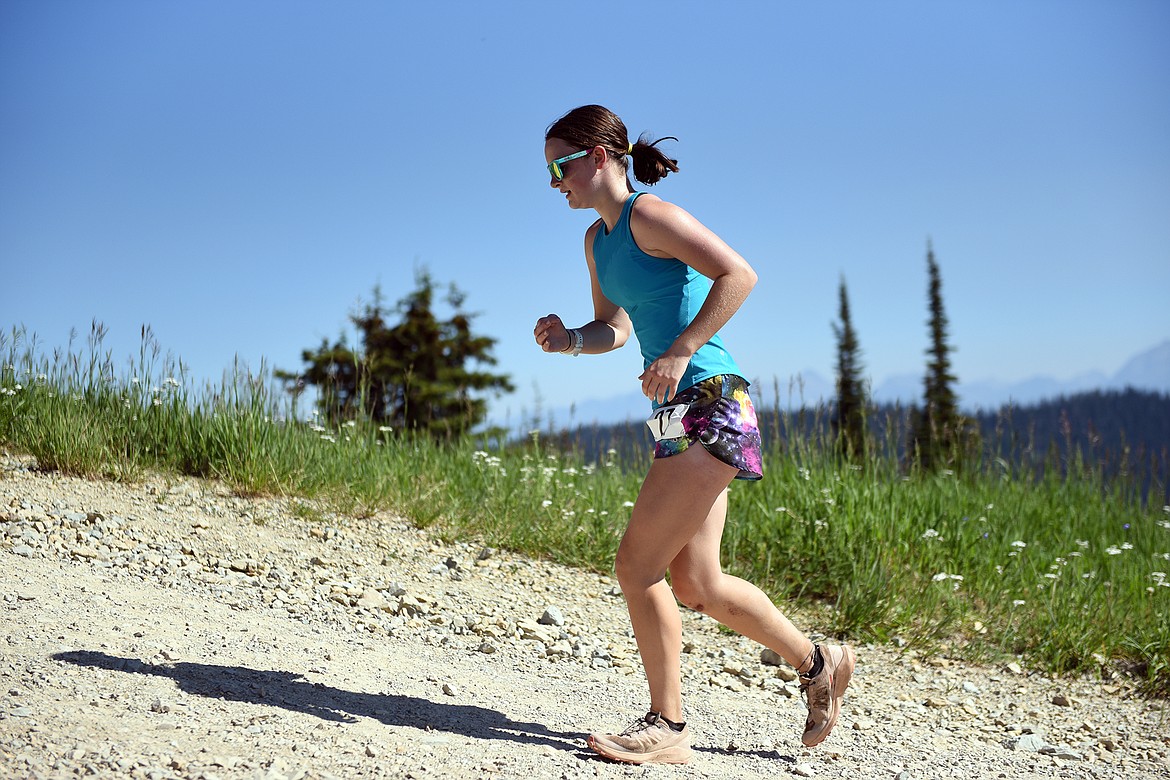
[666,422]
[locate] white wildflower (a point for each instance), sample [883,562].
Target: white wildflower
[942,576]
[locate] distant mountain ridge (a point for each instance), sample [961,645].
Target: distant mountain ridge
[1148,370]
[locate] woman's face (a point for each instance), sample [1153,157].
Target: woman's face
[579,174]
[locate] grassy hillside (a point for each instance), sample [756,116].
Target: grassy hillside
[1065,568]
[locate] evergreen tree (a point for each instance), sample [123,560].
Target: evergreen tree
[937,430]
[414,375]
[849,415]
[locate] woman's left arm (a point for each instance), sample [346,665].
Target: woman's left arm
[665,230]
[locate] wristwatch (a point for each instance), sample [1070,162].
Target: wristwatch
[578,341]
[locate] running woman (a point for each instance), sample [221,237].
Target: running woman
[658,272]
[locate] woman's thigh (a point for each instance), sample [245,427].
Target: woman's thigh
[676,500]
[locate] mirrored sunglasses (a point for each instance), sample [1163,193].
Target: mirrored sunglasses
[556,167]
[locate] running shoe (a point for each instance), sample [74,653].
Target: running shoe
[648,741]
[824,692]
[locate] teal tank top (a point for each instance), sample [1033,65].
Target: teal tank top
[661,296]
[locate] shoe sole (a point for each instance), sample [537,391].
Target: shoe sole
[677,754]
[841,676]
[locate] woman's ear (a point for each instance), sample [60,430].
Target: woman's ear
[599,156]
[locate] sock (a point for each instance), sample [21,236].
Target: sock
[655,717]
[818,663]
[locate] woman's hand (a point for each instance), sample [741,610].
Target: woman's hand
[660,379]
[551,334]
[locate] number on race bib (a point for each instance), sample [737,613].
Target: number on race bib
[666,422]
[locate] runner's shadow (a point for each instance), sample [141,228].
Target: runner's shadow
[292,691]
[771,755]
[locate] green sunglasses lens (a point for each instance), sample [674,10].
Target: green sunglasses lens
[555,170]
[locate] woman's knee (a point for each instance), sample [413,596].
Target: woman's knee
[690,592]
[633,572]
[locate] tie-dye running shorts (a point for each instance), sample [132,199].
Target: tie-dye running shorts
[721,418]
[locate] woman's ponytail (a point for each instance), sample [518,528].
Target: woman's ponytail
[649,163]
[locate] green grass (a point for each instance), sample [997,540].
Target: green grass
[1067,573]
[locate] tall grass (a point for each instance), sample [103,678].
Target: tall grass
[1067,570]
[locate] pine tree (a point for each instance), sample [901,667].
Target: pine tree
[849,415]
[937,430]
[414,375]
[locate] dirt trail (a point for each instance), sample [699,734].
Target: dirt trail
[172,630]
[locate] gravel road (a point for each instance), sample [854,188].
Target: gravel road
[170,629]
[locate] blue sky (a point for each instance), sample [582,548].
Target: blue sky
[238,175]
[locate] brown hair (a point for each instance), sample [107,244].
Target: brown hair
[590,126]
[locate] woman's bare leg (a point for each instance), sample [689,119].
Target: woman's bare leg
[699,582]
[674,504]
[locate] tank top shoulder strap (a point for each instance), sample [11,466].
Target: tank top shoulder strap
[628,206]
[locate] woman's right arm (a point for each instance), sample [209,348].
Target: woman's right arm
[610,328]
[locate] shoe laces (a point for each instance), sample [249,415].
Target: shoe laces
[641,724]
[815,695]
